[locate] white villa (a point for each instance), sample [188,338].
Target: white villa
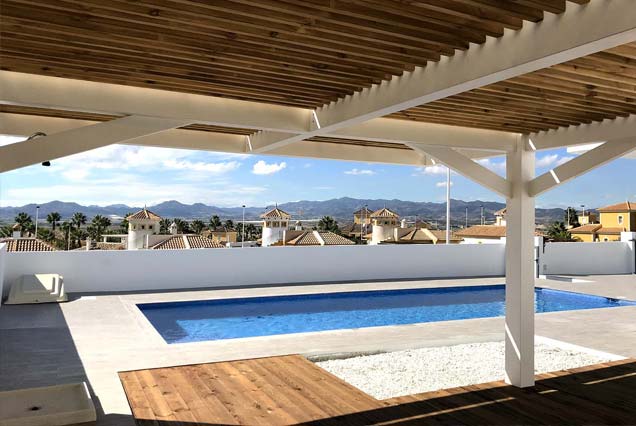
[144,336]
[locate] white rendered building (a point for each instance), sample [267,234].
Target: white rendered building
[141,227]
[275,223]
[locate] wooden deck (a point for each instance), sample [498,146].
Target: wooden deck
[289,390]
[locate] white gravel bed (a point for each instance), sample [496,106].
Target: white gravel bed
[393,374]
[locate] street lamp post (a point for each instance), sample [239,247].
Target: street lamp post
[37,217]
[481,221]
[243,236]
[448,185]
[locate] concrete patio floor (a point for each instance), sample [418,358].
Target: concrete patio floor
[94,336]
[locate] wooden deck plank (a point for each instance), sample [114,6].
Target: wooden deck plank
[290,390]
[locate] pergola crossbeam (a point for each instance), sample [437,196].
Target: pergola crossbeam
[592,159]
[467,168]
[85,138]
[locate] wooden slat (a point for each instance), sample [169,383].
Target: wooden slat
[289,52]
[290,390]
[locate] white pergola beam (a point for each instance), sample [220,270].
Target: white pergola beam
[114,99]
[621,127]
[597,157]
[73,141]
[19,124]
[430,134]
[580,30]
[467,168]
[85,96]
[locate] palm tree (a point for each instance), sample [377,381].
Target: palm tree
[215,222]
[164,226]
[99,225]
[229,224]
[46,235]
[78,219]
[571,217]
[328,223]
[23,219]
[53,218]
[558,232]
[66,228]
[5,231]
[124,223]
[197,226]
[182,225]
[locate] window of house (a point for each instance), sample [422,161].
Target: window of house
[620,220]
[605,239]
[150,227]
[143,226]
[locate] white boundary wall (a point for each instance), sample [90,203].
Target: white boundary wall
[586,258]
[98,271]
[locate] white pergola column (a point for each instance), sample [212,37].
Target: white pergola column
[520,267]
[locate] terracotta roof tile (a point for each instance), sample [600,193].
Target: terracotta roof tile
[199,242]
[27,244]
[586,229]
[172,243]
[384,212]
[276,213]
[482,231]
[144,214]
[332,239]
[627,206]
[609,230]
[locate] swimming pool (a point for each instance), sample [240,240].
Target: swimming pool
[194,321]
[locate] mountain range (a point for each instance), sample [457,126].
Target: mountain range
[339,208]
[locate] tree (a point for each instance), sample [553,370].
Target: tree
[98,226]
[197,226]
[328,223]
[251,233]
[53,218]
[164,226]
[124,223]
[215,222]
[66,228]
[182,226]
[46,235]
[229,224]
[558,232]
[78,219]
[5,231]
[571,217]
[23,219]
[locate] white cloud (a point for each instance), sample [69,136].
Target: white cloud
[359,172]
[442,184]
[200,166]
[437,169]
[262,168]
[552,160]
[81,166]
[495,166]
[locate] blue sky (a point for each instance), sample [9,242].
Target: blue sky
[142,175]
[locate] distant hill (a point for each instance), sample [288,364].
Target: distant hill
[339,208]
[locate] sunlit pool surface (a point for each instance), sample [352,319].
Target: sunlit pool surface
[195,321]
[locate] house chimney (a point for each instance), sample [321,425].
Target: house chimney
[17,231]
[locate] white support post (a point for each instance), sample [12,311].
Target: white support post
[520,268]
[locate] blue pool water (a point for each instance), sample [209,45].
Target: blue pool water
[181,322]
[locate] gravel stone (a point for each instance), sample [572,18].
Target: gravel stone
[393,374]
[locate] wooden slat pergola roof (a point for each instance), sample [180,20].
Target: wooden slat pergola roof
[307,54]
